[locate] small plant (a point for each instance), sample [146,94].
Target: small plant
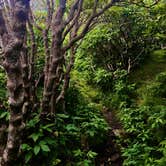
[39,141]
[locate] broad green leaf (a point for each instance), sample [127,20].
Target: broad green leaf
[3,115]
[36,149]
[42,143]
[45,148]
[91,154]
[25,147]
[28,156]
[63,116]
[35,136]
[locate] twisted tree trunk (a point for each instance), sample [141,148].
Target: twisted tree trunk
[55,63]
[13,39]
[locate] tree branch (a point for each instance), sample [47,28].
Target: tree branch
[94,14]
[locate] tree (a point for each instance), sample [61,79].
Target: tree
[64,25]
[13,35]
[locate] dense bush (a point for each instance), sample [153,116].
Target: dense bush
[145,127]
[69,139]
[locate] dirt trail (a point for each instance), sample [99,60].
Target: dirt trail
[109,153]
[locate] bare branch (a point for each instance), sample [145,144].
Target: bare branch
[88,23]
[75,18]
[33,20]
[74,7]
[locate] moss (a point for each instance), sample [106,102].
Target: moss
[150,79]
[159,55]
[152,66]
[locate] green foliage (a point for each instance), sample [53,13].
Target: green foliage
[162,149]
[88,157]
[103,79]
[103,68]
[159,55]
[4,115]
[69,139]
[85,127]
[121,40]
[156,92]
[100,78]
[39,142]
[145,126]
[2,85]
[118,91]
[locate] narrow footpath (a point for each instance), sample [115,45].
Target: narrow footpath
[109,152]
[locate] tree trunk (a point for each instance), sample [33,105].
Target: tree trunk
[52,78]
[13,46]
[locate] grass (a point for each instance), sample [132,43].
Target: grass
[153,65]
[145,75]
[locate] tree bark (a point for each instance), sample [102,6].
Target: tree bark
[53,76]
[12,47]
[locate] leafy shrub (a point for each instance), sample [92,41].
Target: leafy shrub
[67,140]
[156,92]
[145,127]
